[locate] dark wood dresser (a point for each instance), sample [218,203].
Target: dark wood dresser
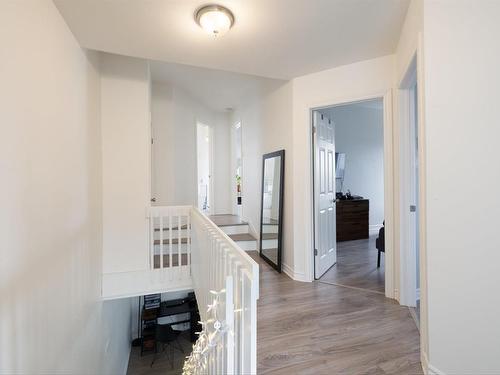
[352,219]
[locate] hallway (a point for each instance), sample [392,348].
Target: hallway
[317,328]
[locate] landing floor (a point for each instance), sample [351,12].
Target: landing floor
[318,328]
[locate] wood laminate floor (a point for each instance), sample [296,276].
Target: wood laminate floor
[357,266]
[318,328]
[138,365]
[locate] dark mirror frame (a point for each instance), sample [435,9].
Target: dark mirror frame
[281,154]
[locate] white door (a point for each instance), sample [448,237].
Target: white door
[325,232]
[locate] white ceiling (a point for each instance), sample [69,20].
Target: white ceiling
[271,38]
[218,90]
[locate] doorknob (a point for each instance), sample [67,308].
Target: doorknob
[153,200]
[333,200]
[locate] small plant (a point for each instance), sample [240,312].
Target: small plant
[238,183]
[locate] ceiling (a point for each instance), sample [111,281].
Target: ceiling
[218,90]
[271,38]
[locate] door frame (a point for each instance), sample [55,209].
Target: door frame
[386,97]
[416,57]
[234,194]
[408,271]
[211,208]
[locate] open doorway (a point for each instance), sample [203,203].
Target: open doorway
[348,144]
[237,168]
[204,143]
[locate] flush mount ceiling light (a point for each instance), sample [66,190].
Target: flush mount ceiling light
[214,19]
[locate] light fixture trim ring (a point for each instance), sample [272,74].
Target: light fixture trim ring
[210,8]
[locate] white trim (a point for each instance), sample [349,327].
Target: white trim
[388,185]
[297,276]
[211,178]
[418,294]
[424,334]
[428,368]
[431,370]
[407,240]
[374,228]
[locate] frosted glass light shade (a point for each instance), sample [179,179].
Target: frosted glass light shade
[214,19]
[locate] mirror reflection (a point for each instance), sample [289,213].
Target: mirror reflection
[272,194]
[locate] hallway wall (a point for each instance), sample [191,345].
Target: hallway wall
[52,319]
[349,82]
[266,127]
[125,134]
[462,133]
[174,117]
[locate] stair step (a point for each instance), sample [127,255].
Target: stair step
[269,236]
[227,220]
[242,237]
[173,228]
[175,241]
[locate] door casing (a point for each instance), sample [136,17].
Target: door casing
[386,96]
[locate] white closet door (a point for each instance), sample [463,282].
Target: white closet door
[325,232]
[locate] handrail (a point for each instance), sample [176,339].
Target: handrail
[226,280]
[186,246]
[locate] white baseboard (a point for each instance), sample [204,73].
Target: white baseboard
[434,371]
[297,276]
[427,367]
[374,228]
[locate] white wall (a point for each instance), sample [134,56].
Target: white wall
[342,84]
[462,56]
[266,127]
[51,316]
[126,138]
[359,133]
[174,117]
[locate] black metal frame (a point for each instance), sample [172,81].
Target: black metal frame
[281,154]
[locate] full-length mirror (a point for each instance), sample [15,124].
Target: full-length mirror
[271,214]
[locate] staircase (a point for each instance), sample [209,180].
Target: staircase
[237,229]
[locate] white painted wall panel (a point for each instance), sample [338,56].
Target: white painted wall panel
[174,117]
[51,316]
[125,121]
[462,56]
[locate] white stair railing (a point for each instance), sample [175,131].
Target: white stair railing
[170,240]
[185,244]
[226,280]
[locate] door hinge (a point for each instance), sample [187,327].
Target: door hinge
[315,252]
[152,141]
[413,208]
